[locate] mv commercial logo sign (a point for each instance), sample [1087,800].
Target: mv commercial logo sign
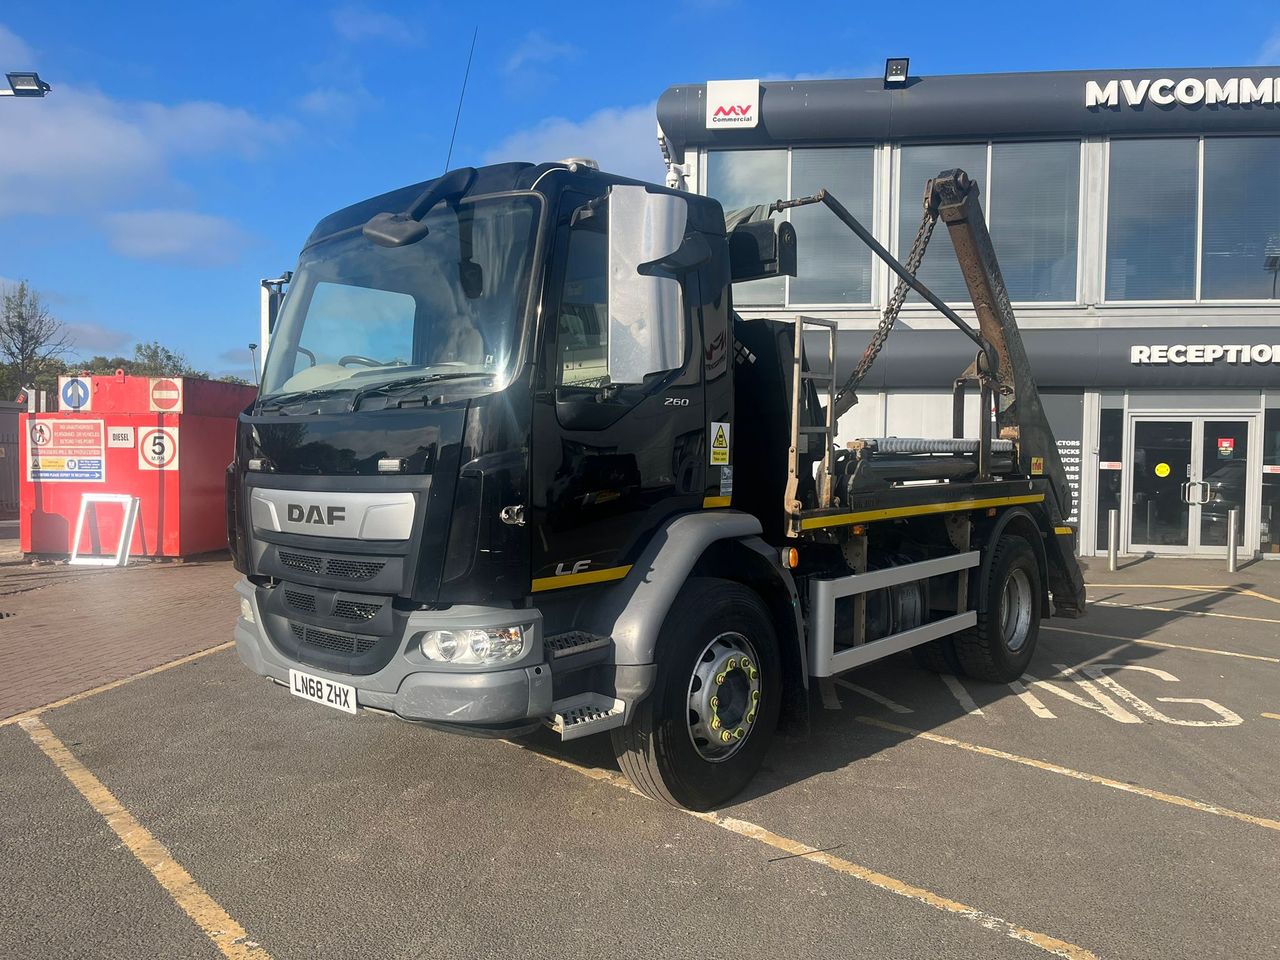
[1187,92]
[733,103]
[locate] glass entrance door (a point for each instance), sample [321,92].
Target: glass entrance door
[1187,474]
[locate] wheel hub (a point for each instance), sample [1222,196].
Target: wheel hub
[1015,610]
[724,696]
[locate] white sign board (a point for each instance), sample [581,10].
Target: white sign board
[69,451]
[121,437]
[733,104]
[158,448]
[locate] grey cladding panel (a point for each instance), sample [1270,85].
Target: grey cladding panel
[350,516]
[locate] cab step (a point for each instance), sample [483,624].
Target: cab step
[576,641]
[584,714]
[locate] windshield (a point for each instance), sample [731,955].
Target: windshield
[358,314]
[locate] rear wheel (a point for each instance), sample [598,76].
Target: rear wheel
[702,733]
[1000,647]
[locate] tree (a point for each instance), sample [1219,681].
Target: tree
[152,359]
[32,340]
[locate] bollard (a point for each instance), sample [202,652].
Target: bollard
[1233,529]
[1113,538]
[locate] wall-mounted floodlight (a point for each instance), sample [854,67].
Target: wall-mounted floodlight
[895,72]
[25,85]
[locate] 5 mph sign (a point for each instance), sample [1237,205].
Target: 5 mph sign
[157,448]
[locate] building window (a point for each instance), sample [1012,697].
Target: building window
[1151,220]
[1241,256]
[1033,208]
[940,271]
[834,265]
[745,178]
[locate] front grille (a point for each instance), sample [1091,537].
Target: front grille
[305,602]
[351,610]
[336,567]
[353,569]
[300,561]
[329,640]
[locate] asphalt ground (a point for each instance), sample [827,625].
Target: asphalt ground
[1121,802]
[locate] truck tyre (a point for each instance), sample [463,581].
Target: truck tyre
[938,656]
[1000,647]
[703,732]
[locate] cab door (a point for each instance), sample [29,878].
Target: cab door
[610,461]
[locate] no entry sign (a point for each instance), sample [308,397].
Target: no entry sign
[166,395]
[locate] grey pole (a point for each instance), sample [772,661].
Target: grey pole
[1113,538]
[1233,529]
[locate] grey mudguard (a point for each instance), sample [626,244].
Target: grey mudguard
[632,612]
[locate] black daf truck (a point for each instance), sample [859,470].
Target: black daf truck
[515,461]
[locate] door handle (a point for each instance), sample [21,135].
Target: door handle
[1204,493]
[1186,493]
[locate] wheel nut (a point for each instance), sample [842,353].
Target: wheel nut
[715,723]
[726,737]
[715,702]
[719,679]
[737,734]
[755,695]
[753,673]
[731,665]
[751,717]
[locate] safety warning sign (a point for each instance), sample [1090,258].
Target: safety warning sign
[166,395]
[158,448]
[66,451]
[719,443]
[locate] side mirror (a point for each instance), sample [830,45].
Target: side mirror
[646,312]
[762,248]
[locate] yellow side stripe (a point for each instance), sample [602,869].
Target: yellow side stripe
[578,579]
[866,516]
[708,502]
[1063,531]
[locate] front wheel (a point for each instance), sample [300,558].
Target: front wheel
[702,733]
[1000,647]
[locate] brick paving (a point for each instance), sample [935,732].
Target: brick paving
[69,629]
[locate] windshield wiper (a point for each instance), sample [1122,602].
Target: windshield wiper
[288,399]
[404,383]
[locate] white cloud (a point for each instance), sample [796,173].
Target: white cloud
[356,23]
[1270,53]
[81,150]
[14,53]
[91,338]
[536,49]
[180,236]
[622,139]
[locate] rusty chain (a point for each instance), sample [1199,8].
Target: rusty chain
[890,316]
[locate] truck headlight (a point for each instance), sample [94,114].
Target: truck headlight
[246,610]
[473,646]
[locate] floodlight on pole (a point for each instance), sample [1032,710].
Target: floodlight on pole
[25,85]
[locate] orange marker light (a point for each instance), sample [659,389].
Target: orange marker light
[793,558]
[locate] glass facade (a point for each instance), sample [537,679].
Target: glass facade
[916,166]
[745,178]
[1241,256]
[1034,211]
[833,266]
[1151,220]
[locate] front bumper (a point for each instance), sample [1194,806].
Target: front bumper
[413,688]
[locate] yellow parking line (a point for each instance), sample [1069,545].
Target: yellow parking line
[1161,643]
[1185,613]
[1076,774]
[227,935]
[36,711]
[1189,587]
[751,831]
[1272,716]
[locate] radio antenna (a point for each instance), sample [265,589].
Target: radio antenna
[462,93]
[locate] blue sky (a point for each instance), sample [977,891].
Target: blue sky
[187,149]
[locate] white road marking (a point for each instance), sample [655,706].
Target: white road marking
[962,695]
[1160,643]
[1103,705]
[1185,613]
[830,699]
[1032,701]
[1099,672]
[872,695]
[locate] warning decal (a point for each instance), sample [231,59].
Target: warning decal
[719,444]
[1037,466]
[66,451]
[157,448]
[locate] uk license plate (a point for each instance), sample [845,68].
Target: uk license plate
[340,696]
